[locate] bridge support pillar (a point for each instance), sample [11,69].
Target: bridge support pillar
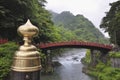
[26,62]
[103,56]
[48,61]
[93,57]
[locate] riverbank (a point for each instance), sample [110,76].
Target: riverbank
[101,71]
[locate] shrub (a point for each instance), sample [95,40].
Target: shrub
[6,54]
[115,54]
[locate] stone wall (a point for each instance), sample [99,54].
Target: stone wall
[115,62]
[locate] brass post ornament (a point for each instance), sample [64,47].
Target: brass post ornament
[27,58]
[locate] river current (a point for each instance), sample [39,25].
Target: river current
[71,68]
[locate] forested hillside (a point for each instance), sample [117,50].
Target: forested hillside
[79,26]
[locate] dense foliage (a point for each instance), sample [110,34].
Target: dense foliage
[79,26]
[111,22]
[13,13]
[114,54]
[101,71]
[105,72]
[87,58]
[6,54]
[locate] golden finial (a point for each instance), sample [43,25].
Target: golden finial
[27,58]
[28,31]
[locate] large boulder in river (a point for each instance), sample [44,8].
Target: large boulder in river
[75,58]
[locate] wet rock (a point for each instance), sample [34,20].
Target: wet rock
[56,64]
[75,58]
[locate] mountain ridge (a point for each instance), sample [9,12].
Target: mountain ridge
[80,25]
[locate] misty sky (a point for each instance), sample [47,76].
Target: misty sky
[94,10]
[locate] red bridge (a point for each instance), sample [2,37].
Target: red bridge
[75,44]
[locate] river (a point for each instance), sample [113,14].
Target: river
[71,68]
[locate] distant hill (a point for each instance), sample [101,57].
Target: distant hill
[78,24]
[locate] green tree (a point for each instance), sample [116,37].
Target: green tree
[111,22]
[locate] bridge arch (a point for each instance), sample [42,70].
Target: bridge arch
[75,44]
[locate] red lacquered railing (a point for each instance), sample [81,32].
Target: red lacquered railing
[76,43]
[2,41]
